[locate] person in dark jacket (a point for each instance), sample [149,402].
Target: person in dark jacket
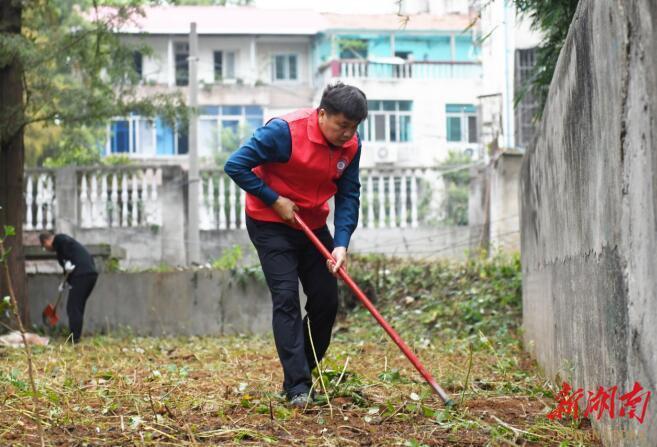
[296,163]
[82,275]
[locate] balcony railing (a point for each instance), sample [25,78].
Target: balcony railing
[420,70]
[132,196]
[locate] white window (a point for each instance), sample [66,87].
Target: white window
[461,123]
[223,128]
[285,67]
[387,121]
[224,65]
[181,57]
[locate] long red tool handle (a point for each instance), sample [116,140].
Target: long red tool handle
[375,313]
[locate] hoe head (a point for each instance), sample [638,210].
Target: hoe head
[49,316]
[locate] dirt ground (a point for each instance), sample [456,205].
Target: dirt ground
[125,391]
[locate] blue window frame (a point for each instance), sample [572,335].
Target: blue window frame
[120,137]
[461,123]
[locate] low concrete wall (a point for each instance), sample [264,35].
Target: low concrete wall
[200,302]
[589,213]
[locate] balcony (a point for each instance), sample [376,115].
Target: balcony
[393,70]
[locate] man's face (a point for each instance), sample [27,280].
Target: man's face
[337,128]
[47,244]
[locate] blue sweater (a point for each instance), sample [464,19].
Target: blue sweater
[273,143]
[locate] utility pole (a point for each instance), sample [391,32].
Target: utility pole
[193,240]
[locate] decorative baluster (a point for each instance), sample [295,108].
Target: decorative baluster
[156,205]
[231,204]
[211,200]
[402,190]
[38,224]
[124,200]
[29,199]
[414,222]
[393,201]
[47,199]
[370,201]
[114,202]
[39,203]
[93,202]
[50,203]
[202,206]
[145,199]
[147,204]
[85,214]
[243,210]
[360,215]
[222,202]
[382,202]
[102,214]
[134,201]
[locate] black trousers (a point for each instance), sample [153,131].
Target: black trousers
[81,287]
[287,256]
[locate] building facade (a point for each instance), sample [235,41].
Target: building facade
[422,78]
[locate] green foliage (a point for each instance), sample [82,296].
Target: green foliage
[353,48]
[77,145]
[78,74]
[440,300]
[229,259]
[455,205]
[117,160]
[552,19]
[212,2]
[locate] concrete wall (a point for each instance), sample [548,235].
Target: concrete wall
[175,303]
[493,208]
[504,207]
[589,212]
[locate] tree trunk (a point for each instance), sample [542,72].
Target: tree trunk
[12,155]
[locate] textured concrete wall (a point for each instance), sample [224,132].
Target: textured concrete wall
[589,212]
[173,303]
[504,206]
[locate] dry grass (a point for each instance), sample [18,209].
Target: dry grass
[128,391]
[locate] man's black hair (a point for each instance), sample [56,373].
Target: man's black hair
[345,99]
[43,237]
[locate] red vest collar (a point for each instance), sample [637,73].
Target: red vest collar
[314,132]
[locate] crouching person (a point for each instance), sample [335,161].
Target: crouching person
[296,163]
[76,261]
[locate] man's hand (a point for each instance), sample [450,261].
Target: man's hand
[340,256]
[285,208]
[69,266]
[62,286]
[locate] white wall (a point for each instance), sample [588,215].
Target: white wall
[428,123]
[158,67]
[506,31]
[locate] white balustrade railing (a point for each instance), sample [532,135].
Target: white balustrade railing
[40,200]
[221,202]
[389,199]
[393,198]
[417,70]
[128,197]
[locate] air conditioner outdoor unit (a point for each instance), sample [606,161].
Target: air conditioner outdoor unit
[385,154]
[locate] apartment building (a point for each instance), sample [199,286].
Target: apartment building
[421,75]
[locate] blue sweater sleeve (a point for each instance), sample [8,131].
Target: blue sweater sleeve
[269,143]
[347,201]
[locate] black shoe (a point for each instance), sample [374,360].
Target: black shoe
[301,400]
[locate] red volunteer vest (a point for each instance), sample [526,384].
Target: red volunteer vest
[309,176]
